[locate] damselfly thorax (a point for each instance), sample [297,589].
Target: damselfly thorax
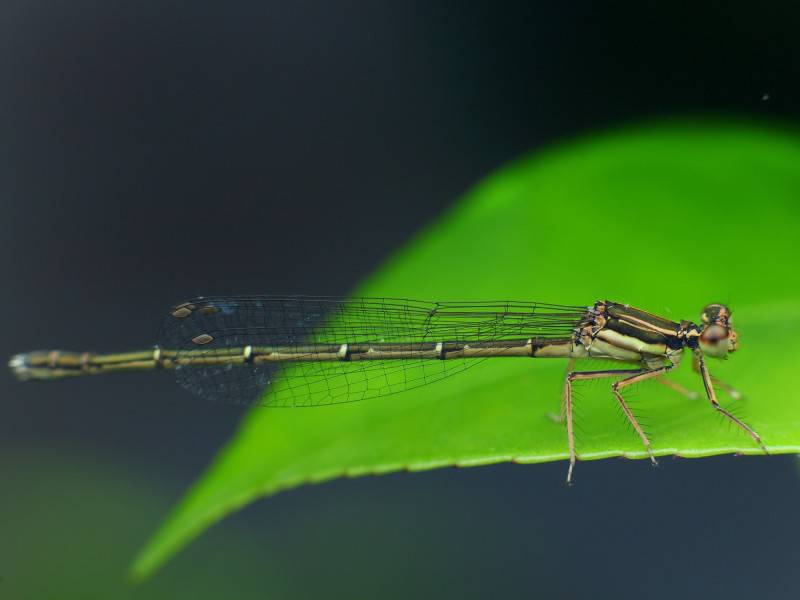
[310,351]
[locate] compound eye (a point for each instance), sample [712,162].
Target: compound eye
[714,334]
[714,313]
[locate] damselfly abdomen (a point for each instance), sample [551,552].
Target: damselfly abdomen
[293,351]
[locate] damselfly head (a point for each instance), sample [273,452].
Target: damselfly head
[717,336]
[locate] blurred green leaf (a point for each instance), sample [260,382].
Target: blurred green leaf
[667,218]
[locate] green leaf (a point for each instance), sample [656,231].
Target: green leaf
[667,218]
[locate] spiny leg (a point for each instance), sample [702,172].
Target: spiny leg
[579,375]
[570,434]
[691,394]
[708,383]
[642,375]
[559,418]
[729,389]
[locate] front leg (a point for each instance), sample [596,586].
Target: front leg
[729,389]
[708,383]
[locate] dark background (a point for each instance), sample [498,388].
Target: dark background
[154,151]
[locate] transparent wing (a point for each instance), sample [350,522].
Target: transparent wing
[228,325]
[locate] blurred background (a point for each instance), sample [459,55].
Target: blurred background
[153,151]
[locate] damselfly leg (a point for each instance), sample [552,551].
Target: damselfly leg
[690,394]
[726,387]
[561,415]
[633,376]
[708,383]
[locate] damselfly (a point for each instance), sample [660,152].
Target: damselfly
[310,351]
